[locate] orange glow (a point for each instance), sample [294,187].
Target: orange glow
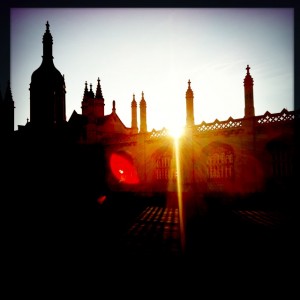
[175,130]
[123,170]
[179,194]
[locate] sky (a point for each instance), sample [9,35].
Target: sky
[157,51]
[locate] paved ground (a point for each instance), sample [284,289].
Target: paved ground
[143,241]
[152,234]
[156,231]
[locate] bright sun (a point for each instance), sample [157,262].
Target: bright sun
[175,130]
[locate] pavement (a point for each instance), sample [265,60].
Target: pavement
[249,236]
[147,242]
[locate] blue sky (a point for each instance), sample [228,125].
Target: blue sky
[156,51]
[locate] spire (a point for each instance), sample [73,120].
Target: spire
[8,95]
[114,106]
[99,101]
[98,90]
[7,112]
[86,92]
[47,44]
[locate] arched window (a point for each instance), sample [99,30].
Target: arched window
[163,163]
[282,159]
[220,162]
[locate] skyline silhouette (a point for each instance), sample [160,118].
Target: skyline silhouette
[217,80]
[219,201]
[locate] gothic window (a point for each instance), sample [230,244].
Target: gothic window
[163,167]
[220,163]
[282,160]
[164,170]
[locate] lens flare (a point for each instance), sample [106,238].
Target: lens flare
[123,169]
[101,199]
[179,195]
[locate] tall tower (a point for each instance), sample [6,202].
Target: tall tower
[189,96]
[7,112]
[134,125]
[47,90]
[143,115]
[248,88]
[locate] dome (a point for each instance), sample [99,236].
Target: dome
[47,74]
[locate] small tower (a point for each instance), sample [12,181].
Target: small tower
[7,112]
[85,102]
[189,96]
[99,101]
[248,88]
[143,115]
[113,107]
[134,125]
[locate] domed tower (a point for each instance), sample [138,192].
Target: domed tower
[47,90]
[189,97]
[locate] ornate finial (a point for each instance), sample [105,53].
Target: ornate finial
[248,80]
[189,93]
[90,87]
[47,26]
[142,95]
[248,68]
[133,96]
[114,106]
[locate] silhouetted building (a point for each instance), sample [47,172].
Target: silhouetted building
[47,90]
[227,159]
[7,112]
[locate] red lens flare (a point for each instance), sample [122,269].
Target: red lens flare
[123,169]
[101,199]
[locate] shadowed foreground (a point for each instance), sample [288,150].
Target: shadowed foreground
[134,239]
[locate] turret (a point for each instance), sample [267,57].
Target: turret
[189,96]
[134,125]
[114,107]
[7,111]
[99,101]
[84,103]
[143,115]
[248,88]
